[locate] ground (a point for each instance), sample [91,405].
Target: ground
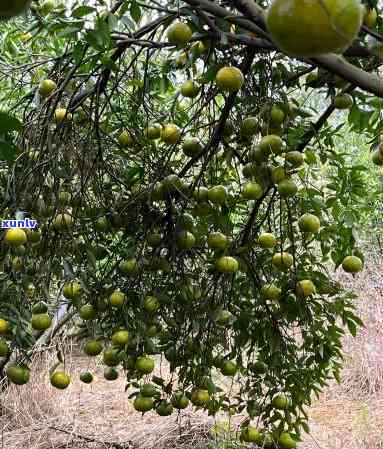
[349,416]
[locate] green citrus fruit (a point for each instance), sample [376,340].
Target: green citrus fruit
[164,408]
[185,240]
[252,191]
[313,28]
[170,134]
[15,237]
[189,89]
[179,33]
[228,368]
[305,288]
[192,147]
[227,264]
[72,290]
[4,348]
[282,260]
[229,79]
[217,194]
[309,223]
[117,299]
[86,377]
[287,188]
[352,264]
[144,365]
[271,144]
[217,240]
[249,126]
[142,404]
[17,374]
[110,373]
[125,139]
[267,240]
[280,401]
[286,442]
[179,400]
[41,321]
[87,312]
[120,338]
[271,292]
[294,158]
[60,380]
[93,348]
[200,397]
[343,101]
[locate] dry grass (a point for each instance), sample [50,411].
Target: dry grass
[349,416]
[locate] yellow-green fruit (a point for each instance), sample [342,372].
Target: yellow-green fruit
[294,158]
[227,264]
[179,400]
[151,304]
[87,312]
[278,174]
[305,288]
[287,188]
[280,401]
[143,404]
[112,356]
[370,17]
[251,434]
[271,292]
[101,224]
[189,89]
[249,126]
[120,338]
[164,409]
[276,115]
[201,194]
[93,348]
[12,8]
[286,442]
[377,157]
[41,321]
[179,33]
[4,326]
[271,144]
[171,134]
[282,260]
[4,348]
[125,139]
[62,115]
[200,397]
[72,290]
[63,222]
[110,373]
[60,380]
[224,317]
[229,79]
[252,191]
[185,240]
[192,147]
[117,299]
[47,87]
[17,374]
[343,101]
[34,236]
[309,223]
[217,194]
[217,240]
[153,132]
[144,365]
[129,267]
[17,263]
[267,240]
[311,27]
[228,368]
[15,237]
[352,264]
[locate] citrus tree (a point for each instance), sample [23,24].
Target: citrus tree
[189,195]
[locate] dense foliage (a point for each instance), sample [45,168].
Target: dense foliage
[192,197]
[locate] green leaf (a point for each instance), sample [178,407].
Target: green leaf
[82,11]
[8,151]
[9,122]
[135,12]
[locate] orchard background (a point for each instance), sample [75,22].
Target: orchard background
[207,182]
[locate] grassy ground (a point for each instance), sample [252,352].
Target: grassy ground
[349,416]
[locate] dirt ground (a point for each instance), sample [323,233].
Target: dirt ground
[100,416]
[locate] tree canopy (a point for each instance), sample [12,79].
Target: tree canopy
[193,193]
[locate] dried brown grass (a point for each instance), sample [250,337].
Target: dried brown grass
[349,416]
